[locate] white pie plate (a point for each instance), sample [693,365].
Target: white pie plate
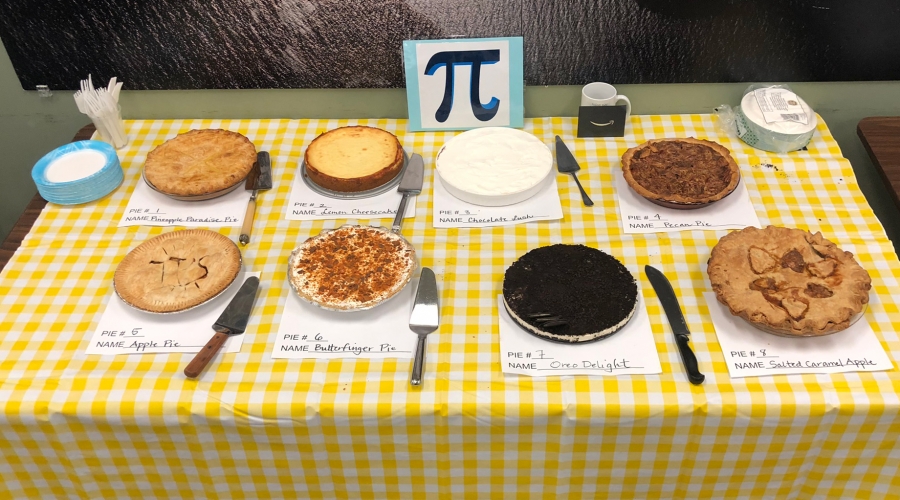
[466,194]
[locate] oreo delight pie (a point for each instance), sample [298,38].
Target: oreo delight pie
[569,293]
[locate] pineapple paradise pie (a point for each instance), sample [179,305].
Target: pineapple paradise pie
[788,281]
[200,162]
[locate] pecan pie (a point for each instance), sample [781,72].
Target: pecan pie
[178,270]
[200,162]
[788,281]
[353,159]
[569,293]
[352,267]
[681,173]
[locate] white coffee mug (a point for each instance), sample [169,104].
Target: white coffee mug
[603,94]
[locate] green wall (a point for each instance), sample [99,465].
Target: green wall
[30,125]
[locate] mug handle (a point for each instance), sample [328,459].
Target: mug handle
[627,104]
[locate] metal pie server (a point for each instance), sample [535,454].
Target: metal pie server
[424,319]
[260,177]
[410,184]
[233,321]
[669,302]
[566,163]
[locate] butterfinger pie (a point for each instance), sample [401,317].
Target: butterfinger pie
[788,281]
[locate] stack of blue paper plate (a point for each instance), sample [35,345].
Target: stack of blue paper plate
[78,172]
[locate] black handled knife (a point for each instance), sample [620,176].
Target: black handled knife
[669,302]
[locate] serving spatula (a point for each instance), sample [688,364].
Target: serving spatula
[566,164]
[425,318]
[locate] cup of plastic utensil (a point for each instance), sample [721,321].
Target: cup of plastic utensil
[111,127]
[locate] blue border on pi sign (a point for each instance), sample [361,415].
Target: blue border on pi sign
[516,80]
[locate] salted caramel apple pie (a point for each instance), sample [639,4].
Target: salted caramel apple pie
[681,173]
[199,163]
[178,270]
[788,281]
[569,293]
[351,268]
[354,159]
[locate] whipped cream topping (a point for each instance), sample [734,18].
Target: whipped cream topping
[494,161]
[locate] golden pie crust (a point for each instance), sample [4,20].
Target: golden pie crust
[684,171]
[352,267]
[788,281]
[354,159]
[200,162]
[177,271]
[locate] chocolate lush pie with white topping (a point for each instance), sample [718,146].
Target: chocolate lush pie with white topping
[351,268]
[788,281]
[177,271]
[569,293]
[681,173]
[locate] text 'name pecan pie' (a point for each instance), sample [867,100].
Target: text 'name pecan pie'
[354,159]
[200,162]
[351,268]
[569,293]
[178,270]
[788,281]
[681,173]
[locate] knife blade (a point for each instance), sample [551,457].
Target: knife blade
[232,321]
[410,184]
[670,305]
[424,319]
[259,178]
[567,164]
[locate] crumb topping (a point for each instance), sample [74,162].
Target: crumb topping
[352,267]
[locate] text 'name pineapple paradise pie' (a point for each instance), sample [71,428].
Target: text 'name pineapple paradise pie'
[494,166]
[177,271]
[351,268]
[681,173]
[353,159]
[788,281]
[200,164]
[569,293]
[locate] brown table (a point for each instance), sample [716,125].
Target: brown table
[881,137]
[32,211]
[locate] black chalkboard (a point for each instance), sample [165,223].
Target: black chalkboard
[223,44]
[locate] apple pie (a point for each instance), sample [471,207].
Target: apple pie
[354,159]
[681,173]
[178,270]
[788,281]
[200,162]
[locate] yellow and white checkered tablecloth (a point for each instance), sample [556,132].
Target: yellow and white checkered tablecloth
[78,426]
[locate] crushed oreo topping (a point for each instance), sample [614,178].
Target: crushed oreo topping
[590,289]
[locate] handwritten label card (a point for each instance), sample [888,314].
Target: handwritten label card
[630,351]
[125,330]
[750,352]
[450,211]
[306,204]
[307,331]
[639,215]
[146,207]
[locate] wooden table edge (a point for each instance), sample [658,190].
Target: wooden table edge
[862,128]
[26,221]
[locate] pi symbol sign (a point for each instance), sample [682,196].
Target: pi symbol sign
[472,59]
[464,83]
